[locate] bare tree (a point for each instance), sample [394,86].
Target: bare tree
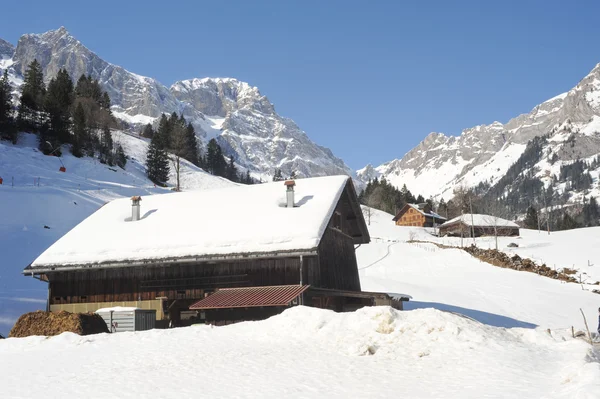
[367,212]
[178,149]
[496,214]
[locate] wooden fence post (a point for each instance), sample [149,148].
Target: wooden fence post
[586,327]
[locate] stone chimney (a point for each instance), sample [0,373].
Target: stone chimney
[290,192]
[135,208]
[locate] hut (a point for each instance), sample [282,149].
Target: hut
[418,215]
[182,248]
[477,225]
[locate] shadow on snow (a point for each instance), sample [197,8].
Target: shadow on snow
[482,317]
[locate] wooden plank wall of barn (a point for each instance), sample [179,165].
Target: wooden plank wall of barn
[186,281]
[337,259]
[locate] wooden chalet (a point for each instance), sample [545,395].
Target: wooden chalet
[478,225]
[234,253]
[418,215]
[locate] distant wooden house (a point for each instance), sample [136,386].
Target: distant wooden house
[419,215]
[468,225]
[228,254]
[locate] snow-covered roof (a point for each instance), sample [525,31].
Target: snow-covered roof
[482,220]
[217,222]
[430,214]
[416,207]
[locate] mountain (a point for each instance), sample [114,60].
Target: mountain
[484,153]
[242,119]
[7,50]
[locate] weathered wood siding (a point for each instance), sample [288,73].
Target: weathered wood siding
[456,228]
[186,281]
[337,260]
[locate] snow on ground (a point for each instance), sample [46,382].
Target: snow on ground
[211,125]
[451,279]
[500,349]
[307,352]
[139,119]
[43,196]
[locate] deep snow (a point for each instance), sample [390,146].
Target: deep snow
[43,196]
[500,348]
[307,352]
[451,279]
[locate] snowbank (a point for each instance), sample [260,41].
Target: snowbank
[307,352]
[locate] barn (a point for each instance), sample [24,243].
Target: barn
[478,225]
[419,215]
[217,255]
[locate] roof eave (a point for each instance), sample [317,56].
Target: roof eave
[32,270]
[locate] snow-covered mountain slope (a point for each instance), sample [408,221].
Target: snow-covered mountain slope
[375,352]
[34,194]
[243,120]
[484,153]
[451,279]
[253,132]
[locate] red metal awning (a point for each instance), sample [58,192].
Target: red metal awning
[247,297]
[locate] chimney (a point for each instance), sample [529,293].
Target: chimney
[135,208]
[290,192]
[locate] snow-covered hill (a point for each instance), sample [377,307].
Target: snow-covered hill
[40,204]
[242,119]
[484,153]
[451,279]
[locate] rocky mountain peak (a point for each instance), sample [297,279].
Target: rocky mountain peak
[485,152]
[6,49]
[218,96]
[242,119]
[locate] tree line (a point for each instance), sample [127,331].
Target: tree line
[382,195]
[61,113]
[175,139]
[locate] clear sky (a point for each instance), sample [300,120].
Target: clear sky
[367,79]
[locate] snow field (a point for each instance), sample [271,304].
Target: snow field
[307,352]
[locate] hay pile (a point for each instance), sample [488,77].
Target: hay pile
[48,323]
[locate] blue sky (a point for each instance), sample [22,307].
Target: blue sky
[367,79]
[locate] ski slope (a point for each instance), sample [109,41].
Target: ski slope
[35,194]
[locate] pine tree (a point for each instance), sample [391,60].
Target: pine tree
[157,161]
[8,129]
[191,143]
[31,117]
[231,172]
[293,175]
[120,158]
[568,223]
[106,146]
[148,132]
[277,176]
[104,101]
[531,218]
[57,104]
[215,162]
[248,179]
[163,132]
[80,133]
[590,213]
